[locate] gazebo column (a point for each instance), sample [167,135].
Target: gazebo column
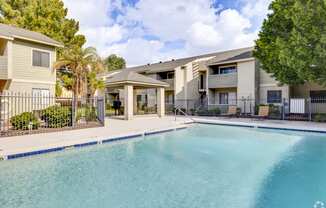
[160,102]
[129,96]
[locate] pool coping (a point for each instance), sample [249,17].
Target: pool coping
[19,153]
[260,125]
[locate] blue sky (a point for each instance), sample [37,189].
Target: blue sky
[147,31]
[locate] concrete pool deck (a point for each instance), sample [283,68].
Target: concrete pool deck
[115,129]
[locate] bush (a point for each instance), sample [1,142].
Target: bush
[57,116]
[89,113]
[202,112]
[214,112]
[210,112]
[24,121]
[320,117]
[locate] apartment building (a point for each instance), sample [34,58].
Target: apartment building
[26,61]
[219,80]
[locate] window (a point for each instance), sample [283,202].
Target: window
[224,69]
[166,75]
[227,69]
[223,98]
[41,58]
[274,96]
[318,96]
[170,75]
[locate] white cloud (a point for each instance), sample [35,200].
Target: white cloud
[90,13]
[139,51]
[200,26]
[103,36]
[255,8]
[95,22]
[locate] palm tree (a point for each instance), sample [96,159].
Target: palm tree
[78,63]
[94,83]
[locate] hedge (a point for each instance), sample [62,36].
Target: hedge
[24,121]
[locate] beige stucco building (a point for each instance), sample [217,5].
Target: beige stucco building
[26,61]
[219,80]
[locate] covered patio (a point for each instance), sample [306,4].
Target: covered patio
[129,82]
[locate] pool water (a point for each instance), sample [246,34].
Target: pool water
[204,166]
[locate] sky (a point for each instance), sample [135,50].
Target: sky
[148,31]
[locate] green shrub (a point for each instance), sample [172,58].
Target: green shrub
[202,112]
[210,112]
[320,117]
[57,116]
[89,113]
[214,111]
[24,121]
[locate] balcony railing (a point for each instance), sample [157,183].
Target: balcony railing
[223,80]
[3,67]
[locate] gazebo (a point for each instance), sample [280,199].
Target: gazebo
[129,80]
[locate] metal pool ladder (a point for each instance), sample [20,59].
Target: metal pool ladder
[181,111]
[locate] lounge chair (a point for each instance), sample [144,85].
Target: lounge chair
[263,112]
[232,111]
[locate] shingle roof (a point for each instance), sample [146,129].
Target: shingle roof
[241,54]
[170,65]
[131,77]
[20,33]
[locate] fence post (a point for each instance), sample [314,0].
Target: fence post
[309,108]
[250,105]
[73,121]
[244,106]
[101,109]
[283,109]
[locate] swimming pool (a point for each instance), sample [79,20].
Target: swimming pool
[201,166]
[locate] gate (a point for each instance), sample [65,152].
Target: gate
[101,110]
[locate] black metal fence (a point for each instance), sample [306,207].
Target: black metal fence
[26,114]
[306,109]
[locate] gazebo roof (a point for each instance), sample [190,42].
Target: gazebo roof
[126,77]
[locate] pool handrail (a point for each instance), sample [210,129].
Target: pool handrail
[176,109]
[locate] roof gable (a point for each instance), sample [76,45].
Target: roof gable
[12,32]
[131,77]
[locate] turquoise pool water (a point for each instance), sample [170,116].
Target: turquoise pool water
[204,166]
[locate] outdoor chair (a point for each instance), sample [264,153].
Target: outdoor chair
[263,112]
[232,111]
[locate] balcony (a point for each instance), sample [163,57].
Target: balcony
[223,80]
[3,67]
[170,82]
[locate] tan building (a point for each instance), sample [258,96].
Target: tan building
[220,79]
[26,61]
